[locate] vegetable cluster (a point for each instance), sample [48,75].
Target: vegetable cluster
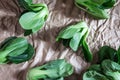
[96,8]
[15,50]
[75,36]
[54,70]
[108,67]
[34,18]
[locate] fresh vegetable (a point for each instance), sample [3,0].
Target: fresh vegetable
[54,70]
[111,69]
[96,8]
[107,70]
[108,67]
[75,36]
[15,50]
[35,17]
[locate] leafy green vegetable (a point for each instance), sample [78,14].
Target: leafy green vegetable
[108,67]
[34,19]
[87,53]
[106,52]
[15,50]
[111,69]
[93,75]
[54,70]
[107,70]
[75,36]
[96,7]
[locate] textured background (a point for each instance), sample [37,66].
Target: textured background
[62,14]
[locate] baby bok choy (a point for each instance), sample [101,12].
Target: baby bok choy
[54,70]
[75,36]
[107,70]
[35,16]
[111,69]
[15,50]
[96,8]
[108,67]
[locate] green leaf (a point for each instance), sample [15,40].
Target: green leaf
[106,52]
[93,75]
[74,42]
[17,46]
[86,50]
[27,55]
[30,20]
[77,39]
[67,33]
[40,25]
[70,31]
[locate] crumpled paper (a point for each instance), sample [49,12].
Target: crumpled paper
[62,13]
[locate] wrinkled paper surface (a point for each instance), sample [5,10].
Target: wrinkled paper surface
[62,13]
